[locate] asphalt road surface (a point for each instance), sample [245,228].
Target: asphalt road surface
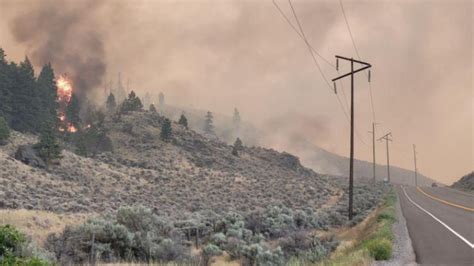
[441,234]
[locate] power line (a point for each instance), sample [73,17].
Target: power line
[307,43]
[358,56]
[313,51]
[299,34]
[317,53]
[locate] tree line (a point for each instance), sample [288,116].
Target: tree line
[28,103]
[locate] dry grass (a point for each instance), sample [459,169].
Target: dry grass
[39,224]
[224,259]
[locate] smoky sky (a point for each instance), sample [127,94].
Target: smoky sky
[217,55]
[65,35]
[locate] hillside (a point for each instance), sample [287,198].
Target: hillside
[323,161]
[190,173]
[190,182]
[465,183]
[314,157]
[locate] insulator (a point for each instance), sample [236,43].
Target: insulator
[337,63]
[369,75]
[335,89]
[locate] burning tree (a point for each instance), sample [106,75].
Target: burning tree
[68,105]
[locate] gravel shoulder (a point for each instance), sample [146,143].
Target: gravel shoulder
[403,252]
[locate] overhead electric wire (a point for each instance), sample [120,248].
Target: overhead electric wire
[316,52]
[299,34]
[358,57]
[313,51]
[308,45]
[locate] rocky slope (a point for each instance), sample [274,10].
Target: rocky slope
[466,183]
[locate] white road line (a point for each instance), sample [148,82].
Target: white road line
[438,220]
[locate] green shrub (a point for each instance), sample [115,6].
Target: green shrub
[134,234]
[380,249]
[219,239]
[257,254]
[210,251]
[386,215]
[10,240]
[13,245]
[4,131]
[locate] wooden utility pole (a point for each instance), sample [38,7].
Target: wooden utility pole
[386,137]
[351,164]
[416,170]
[373,149]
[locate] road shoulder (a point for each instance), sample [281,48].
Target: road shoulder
[403,252]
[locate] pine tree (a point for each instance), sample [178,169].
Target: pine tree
[26,105]
[110,105]
[152,108]
[6,87]
[208,123]
[183,121]
[133,103]
[161,99]
[166,130]
[48,147]
[238,146]
[72,111]
[94,138]
[4,131]
[48,96]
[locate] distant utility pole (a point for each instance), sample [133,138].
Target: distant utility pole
[373,148]
[416,170]
[351,165]
[386,137]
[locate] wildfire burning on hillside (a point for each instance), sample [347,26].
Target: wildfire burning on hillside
[64,86]
[64,91]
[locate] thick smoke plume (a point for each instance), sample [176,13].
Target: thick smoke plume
[64,34]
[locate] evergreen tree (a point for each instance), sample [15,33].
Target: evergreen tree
[110,105]
[161,99]
[94,139]
[48,96]
[48,147]
[26,105]
[4,131]
[166,130]
[236,119]
[133,103]
[6,87]
[208,123]
[238,146]
[183,121]
[152,108]
[72,111]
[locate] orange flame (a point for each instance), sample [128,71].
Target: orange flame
[71,128]
[64,88]
[64,91]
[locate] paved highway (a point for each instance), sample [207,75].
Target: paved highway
[441,224]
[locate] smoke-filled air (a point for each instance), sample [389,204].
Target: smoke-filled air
[204,132]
